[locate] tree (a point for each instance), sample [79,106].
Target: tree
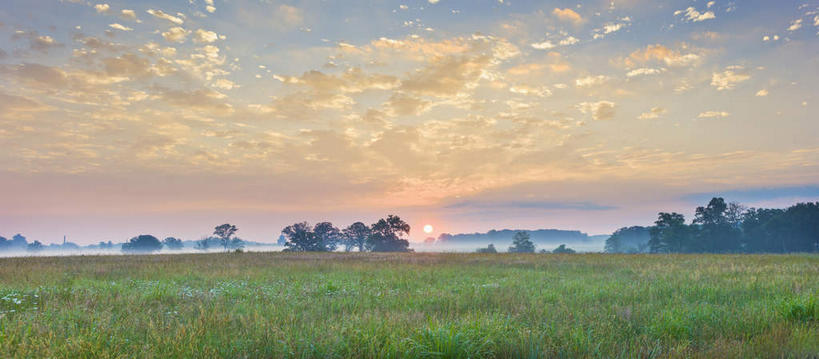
[203,244]
[563,250]
[714,232]
[489,249]
[629,240]
[355,236]
[522,244]
[173,243]
[35,246]
[328,234]
[669,234]
[301,238]
[224,232]
[802,221]
[142,244]
[386,235]
[763,231]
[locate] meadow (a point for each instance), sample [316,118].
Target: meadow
[337,305]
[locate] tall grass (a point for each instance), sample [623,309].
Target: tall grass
[261,305]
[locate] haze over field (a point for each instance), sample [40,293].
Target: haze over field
[119,118]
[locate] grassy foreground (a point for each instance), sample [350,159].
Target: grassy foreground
[410,305]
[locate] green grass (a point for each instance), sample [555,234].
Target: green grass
[270,305]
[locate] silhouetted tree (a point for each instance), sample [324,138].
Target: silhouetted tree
[669,234]
[328,234]
[225,232]
[522,244]
[355,236]
[562,249]
[802,233]
[489,249]
[386,235]
[714,233]
[173,243]
[763,231]
[301,238]
[142,244]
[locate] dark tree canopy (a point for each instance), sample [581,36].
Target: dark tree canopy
[301,238]
[386,235]
[489,249]
[328,235]
[731,228]
[35,246]
[629,240]
[562,249]
[173,243]
[522,244]
[355,236]
[142,244]
[225,232]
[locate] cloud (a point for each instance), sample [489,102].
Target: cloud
[201,35]
[729,78]
[159,14]
[691,14]
[175,34]
[795,25]
[762,93]
[713,114]
[568,15]
[102,8]
[120,27]
[663,54]
[643,71]
[590,81]
[654,113]
[197,100]
[600,111]
[128,14]
[37,42]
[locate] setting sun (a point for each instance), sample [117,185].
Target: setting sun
[428,228]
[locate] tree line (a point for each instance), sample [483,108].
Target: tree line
[721,227]
[385,235]
[522,243]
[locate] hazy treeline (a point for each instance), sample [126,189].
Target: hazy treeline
[721,227]
[522,243]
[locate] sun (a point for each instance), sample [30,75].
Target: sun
[428,228]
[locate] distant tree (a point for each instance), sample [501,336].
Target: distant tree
[203,244]
[669,234]
[106,245]
[173,243]
[237,244]
[225,232]
[544,251]
[301,238]
[522,244]
[142,244]
[19,241]
[489,249]
[802,221]
[328,234]
[35,246]
[629,240]
[714,232]
[386,235]
[429,240]
[355,236]
[764,231]
[735,213]
[563,250]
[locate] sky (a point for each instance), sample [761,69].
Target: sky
[120,118]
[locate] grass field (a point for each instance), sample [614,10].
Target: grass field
[410,305]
